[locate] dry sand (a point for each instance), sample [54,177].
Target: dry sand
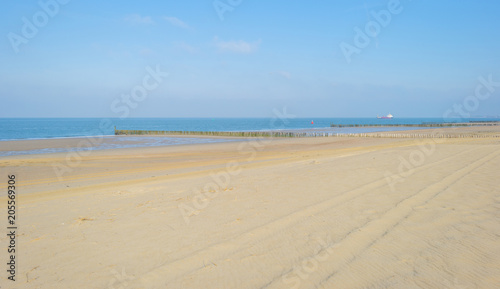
[287,213]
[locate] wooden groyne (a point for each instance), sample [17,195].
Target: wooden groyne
[279,134]
[211,133]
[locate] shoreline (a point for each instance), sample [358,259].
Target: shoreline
[57,137]
[97,143]
[72,144]
[22,128]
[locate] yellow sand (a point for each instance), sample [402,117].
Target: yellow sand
[287,213]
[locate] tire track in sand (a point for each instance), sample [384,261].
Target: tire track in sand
[174,269]
[361,239]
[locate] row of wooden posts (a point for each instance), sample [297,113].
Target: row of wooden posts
[302,134]
[419,125]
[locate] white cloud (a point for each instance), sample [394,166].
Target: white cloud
[176,22]
[138,19]
[236,46]
[284,74]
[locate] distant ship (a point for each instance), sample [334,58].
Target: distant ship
[389,116]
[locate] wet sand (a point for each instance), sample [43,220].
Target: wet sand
[281,213]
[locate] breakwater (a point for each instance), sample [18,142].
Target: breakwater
[427,125]
[289,134]
[212,133]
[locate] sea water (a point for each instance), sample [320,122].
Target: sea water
[41,128]
[46,128]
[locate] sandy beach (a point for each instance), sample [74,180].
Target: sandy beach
[273,213]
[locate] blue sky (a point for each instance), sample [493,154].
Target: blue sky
[262,55]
